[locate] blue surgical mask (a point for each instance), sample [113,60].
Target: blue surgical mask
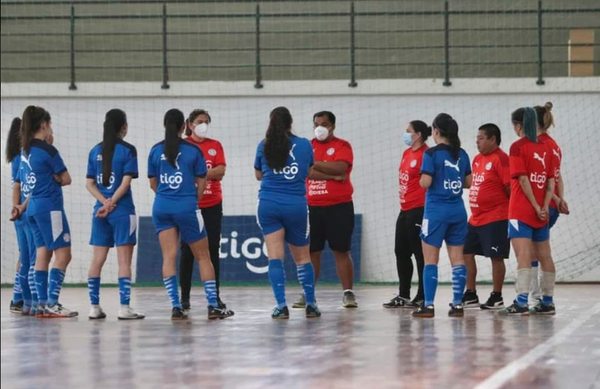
[407,137]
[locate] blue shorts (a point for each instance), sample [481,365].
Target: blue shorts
[434,232]
[112,230]
[518,229]
[553,217]
[190,224]
[50,229]
[272,216]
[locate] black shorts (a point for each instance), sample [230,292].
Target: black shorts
[332,224]
[490,240]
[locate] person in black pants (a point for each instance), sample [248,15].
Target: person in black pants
[211,204]
[408,225]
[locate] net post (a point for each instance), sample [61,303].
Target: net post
[165,66]
[258,69]
[446,45]
[72,37]
[352,83]
[540,80]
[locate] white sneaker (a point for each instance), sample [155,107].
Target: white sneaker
[58,310]
[128,313]
[96,312]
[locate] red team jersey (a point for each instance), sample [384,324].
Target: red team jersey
[331,192]
[533,160]
[557,156]
[409,173]
[214,156]
[487,197]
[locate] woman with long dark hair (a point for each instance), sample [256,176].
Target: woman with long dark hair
[112,165]
[446,170]
[177,173]
[282,163]
[43,169]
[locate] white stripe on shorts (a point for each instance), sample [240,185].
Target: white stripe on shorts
[200,220]
[132,224]
[56,224]
[257,205]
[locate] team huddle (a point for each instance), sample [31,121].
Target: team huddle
[304,200]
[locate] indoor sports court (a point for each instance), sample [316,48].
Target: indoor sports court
[394,144]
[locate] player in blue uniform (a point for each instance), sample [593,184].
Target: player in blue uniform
[445,171]
[45,173]
[23,299]
[177,173]
[112,165]
[282,164]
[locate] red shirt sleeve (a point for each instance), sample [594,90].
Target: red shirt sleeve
[220,157]
[504,169]
[517,163]
[551,169]
[345,154]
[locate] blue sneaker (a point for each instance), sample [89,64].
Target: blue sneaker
[312,311]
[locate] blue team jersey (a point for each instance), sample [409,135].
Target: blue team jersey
[15,165]
[443,198]
[36,173]
[176,191]
[289,181]
[124,163]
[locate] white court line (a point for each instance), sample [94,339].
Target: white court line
[499,378]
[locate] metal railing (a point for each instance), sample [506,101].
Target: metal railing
[447,45]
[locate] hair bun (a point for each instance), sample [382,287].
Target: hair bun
[548,106]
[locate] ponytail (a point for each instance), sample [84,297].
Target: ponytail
[527,118]
[13,142]
[113,123]
[448,129]
[277,138]
[173,122]
[33,117]
[544,116]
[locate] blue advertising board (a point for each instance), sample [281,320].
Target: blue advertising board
[242,252]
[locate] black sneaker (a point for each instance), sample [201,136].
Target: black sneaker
[398,302]
[542,309]
[280,313]
[312,311]
[456,310]
[424,311]
[514,309]
[416,302]
[495,301]
[16,307]
[178,314]
[470,299]
[220,303]
[185,305]
[218,313]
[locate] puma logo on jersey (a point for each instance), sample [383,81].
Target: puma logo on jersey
[292,152]
[541,159]
[164,158]
[556,153]
[26,161]
[453,166]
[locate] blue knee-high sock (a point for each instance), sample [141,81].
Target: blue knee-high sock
[31,279]
[430,282]
[41,286]
[172,290]
[23,280]
[124,290]
[57,277]
[210,289]
[94,290]
[306,277]
[459,279]
[277,278]
[17,291]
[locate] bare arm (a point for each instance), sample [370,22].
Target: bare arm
[153,184]
[258,174]
[549,193]
[17,207]
[425,181]
[334,168]
[216,173]
[468,181]
[122,189]
[90,185]
[200,186]
[526,187]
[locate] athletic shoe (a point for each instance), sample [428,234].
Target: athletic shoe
[96,312]
[178,314]
[300,303]
[542,309]
[416,302]
[456,310]
[58,311]
[312,311]
[514,309]
[128,313]
[16,307]
[280,313]
[349,300]
[26,311]
[398,302]
[218,313]
[470,299]
[424,311]
[495,301]
[220,303]
[185,305]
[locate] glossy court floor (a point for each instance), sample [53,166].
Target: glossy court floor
[369,347]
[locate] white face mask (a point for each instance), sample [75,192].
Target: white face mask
[321,133]
[201,130]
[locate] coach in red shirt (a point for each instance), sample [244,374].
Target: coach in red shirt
[329,193]
[211,203]
[488,225]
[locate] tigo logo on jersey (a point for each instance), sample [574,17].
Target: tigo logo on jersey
[454,186]
[173,181]
[478,178]
[111,181]
[29,183]
[290,171]
[538,179]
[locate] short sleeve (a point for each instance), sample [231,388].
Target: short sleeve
[131,163]
[200,164]
[259,157]
[220,157]
[14,168]
[516,162]
[427,166]
[552,169]
[345,154]
[466,162]
[57,164]
[311,155]
[503,169]
[91,165]
[152,168]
